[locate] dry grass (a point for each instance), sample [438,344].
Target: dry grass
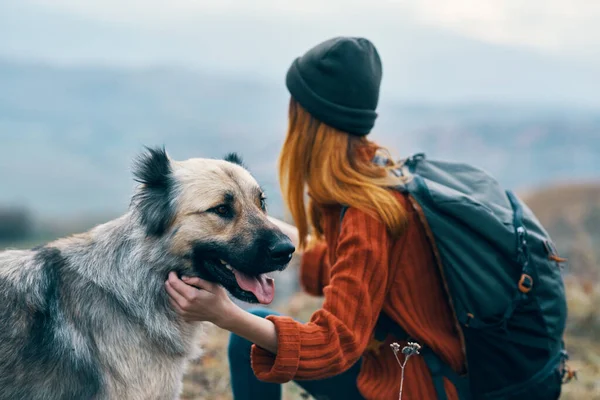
[583,339]
[571,201]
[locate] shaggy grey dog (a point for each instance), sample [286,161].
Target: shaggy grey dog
[87,317]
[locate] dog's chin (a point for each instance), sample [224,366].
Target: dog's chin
[218,271]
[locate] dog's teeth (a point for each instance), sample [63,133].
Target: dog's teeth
[223,262]
[228,267]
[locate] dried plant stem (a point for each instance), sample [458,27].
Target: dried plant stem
[402,365]
[409,350]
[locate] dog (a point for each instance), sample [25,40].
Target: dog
[88,317]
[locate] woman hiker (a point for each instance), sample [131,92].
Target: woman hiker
[376,259]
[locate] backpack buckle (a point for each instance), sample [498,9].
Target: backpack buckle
[525,283]
[567,373]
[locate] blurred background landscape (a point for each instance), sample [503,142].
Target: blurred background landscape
[510,86]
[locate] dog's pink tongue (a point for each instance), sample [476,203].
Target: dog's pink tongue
[262,286]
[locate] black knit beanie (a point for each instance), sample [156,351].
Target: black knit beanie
[337,82]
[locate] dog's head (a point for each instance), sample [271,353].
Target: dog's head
[213,214]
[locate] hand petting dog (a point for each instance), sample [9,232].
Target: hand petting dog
[198,300]
[211,303]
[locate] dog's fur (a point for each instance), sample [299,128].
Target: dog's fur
[88,317]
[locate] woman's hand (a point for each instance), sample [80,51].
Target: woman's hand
[198,300]
[211,303]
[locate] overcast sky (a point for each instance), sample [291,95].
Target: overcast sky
[261,37]
[447,51]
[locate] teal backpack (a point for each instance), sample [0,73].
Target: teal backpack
[504,281]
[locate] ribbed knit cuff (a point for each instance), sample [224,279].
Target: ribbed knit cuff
[280,368]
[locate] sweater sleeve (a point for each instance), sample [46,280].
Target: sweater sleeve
[314,269]
[337,334]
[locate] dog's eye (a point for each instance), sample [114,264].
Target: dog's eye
[222,210]
[263,203]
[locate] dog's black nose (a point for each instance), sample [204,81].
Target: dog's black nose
[281,251]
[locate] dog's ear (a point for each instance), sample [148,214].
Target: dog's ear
[234,158]
[153,198]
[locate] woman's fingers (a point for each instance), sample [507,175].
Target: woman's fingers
[200,283]
[175,295]
[208,303]
[176,307]
[186,291]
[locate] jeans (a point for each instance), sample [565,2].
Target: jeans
[246,386]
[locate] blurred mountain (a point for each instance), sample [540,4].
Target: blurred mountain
[68,135]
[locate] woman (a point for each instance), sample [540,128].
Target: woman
[377,258]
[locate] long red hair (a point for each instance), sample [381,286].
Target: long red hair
[335,168]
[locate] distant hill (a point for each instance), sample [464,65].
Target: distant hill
[67,135]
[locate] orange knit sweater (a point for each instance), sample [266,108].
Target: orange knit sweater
[361,270]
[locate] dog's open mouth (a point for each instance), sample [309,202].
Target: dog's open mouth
[262,286]
[258,288]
